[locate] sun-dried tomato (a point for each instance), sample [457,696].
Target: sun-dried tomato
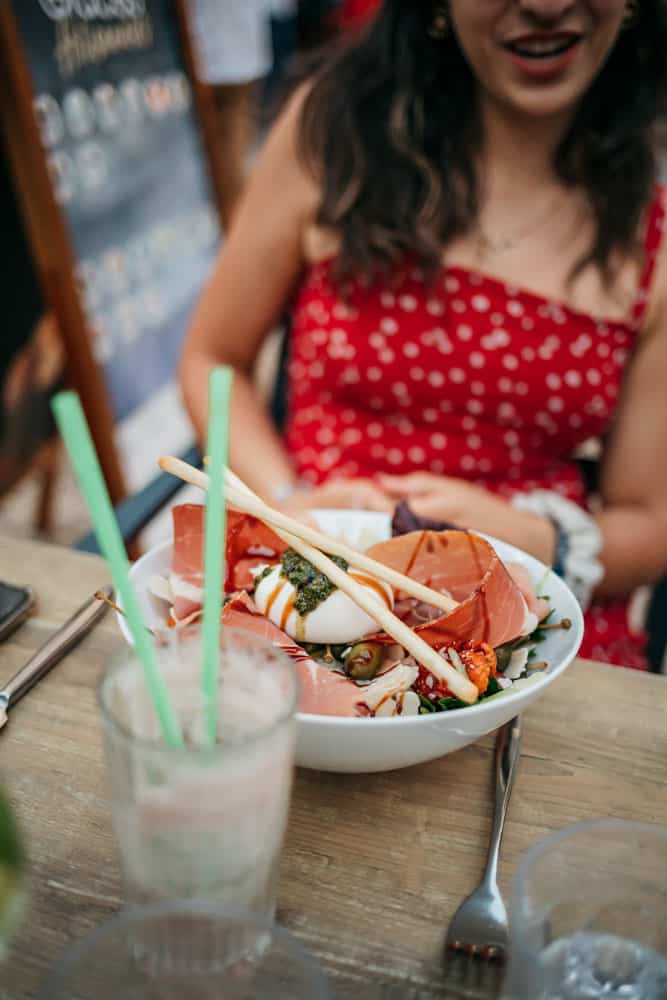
[480,661]
[429,686]
[478,658]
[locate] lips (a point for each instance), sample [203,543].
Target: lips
[542,46]
[543,57]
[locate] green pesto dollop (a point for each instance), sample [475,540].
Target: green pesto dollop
[311,586]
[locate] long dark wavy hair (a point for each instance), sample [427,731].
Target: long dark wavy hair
[390,129]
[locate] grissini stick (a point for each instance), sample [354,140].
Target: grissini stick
[280,521]
[457,683]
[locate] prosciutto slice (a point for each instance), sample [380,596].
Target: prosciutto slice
[322,692]
[536,605]
[491,607]
[187,559]
[249,543]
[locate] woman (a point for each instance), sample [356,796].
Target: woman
[463,211]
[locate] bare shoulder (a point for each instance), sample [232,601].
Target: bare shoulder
[632,466]
[654,330]
[280,169]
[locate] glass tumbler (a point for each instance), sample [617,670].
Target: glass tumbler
[186,950]
[201,821]
[589,915]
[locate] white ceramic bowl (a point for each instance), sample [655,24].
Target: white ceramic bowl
[329,743]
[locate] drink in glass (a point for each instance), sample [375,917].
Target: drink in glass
[589,915]
[186,950]
[202,821]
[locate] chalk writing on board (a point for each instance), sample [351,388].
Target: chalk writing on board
[114,105]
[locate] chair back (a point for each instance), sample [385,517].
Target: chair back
[31,353]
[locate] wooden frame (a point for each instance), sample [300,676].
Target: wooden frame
[48,234]
[204,106]
[51,246]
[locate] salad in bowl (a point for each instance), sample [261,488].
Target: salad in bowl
[484,628]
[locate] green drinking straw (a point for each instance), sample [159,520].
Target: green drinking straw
[74,430]
[219,392]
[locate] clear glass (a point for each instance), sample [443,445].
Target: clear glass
[589,915]
[202,822]
[186,950]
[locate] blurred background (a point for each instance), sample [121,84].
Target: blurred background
[123,153]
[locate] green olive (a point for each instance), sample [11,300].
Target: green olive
[316,650]
[364,660]
[338,650]
[504,655]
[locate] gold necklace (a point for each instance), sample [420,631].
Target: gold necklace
[488,246]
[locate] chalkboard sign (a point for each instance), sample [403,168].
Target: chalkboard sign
[113,100]
[111,145]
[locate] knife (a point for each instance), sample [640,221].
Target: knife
[53,651]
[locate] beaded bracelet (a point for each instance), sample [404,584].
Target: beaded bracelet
[561,549]
[578,540]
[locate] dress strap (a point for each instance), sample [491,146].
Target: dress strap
[655,225]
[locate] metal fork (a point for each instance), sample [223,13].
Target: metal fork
[477,942]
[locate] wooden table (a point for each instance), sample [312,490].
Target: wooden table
[373,866]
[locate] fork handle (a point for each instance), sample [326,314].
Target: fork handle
[508,751]
[54,649]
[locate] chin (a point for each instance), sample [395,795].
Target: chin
[546,103]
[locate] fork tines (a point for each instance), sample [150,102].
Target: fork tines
[473,972]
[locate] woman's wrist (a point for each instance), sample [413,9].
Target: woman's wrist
[539,536]
[578,540]
[284,491]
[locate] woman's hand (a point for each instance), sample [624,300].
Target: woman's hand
[351,494]
[445,498]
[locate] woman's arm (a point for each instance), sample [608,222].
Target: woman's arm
[633,480]
[247,293]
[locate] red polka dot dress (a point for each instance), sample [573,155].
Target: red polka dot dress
[465,376]
[355,13]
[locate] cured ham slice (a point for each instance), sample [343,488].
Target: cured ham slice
[491,607]
[187,577]
[322,692]
[249,543]
[536,605]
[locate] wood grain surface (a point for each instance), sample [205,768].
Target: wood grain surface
[374,865]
